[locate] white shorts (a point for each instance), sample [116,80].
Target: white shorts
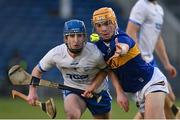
[157,83]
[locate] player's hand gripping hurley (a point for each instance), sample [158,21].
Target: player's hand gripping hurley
[48,106]
[18,76]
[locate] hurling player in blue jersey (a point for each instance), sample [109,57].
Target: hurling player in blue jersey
[123,56]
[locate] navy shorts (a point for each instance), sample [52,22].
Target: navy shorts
[96,108]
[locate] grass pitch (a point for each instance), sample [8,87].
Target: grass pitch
[19,109]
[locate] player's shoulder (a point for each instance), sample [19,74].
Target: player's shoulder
[124,38]
[141,5]
[160,9]
[59,49]
[92,48]
[122,35]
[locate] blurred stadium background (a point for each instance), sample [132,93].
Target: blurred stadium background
[29,28]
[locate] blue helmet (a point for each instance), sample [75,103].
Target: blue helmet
[74,26]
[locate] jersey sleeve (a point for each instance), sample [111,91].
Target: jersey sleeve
[126,40]
[138,13]
[47,61]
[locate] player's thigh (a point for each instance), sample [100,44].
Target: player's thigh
[74,103]
[154,104]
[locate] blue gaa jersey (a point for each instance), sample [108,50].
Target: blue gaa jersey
[132,71]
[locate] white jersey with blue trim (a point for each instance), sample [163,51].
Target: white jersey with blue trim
[77,72]
[149,16]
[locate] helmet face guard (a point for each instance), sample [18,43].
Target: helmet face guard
[74,27]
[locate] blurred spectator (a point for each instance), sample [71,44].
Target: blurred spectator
[65,9]
[6,86]
[17,59]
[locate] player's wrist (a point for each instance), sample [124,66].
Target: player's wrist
[32,89]
[119,90]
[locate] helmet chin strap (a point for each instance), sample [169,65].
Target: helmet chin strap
[74,51]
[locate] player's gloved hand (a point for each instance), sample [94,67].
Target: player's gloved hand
[123,101]
[32,97]
[121,48]
[118,48]
[171,70]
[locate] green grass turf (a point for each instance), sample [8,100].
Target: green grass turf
[18,108]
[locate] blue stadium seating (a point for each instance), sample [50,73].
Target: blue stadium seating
[27,25]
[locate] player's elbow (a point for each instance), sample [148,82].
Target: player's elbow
[37,72]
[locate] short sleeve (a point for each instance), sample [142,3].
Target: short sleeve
[127,40]
[47,61]
[138,13]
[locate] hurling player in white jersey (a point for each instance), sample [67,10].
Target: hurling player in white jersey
[82,66]
[144,26]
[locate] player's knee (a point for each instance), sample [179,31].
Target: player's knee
[75,114]
[171,94]
[172,97]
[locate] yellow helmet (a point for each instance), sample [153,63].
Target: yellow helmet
[104,14]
